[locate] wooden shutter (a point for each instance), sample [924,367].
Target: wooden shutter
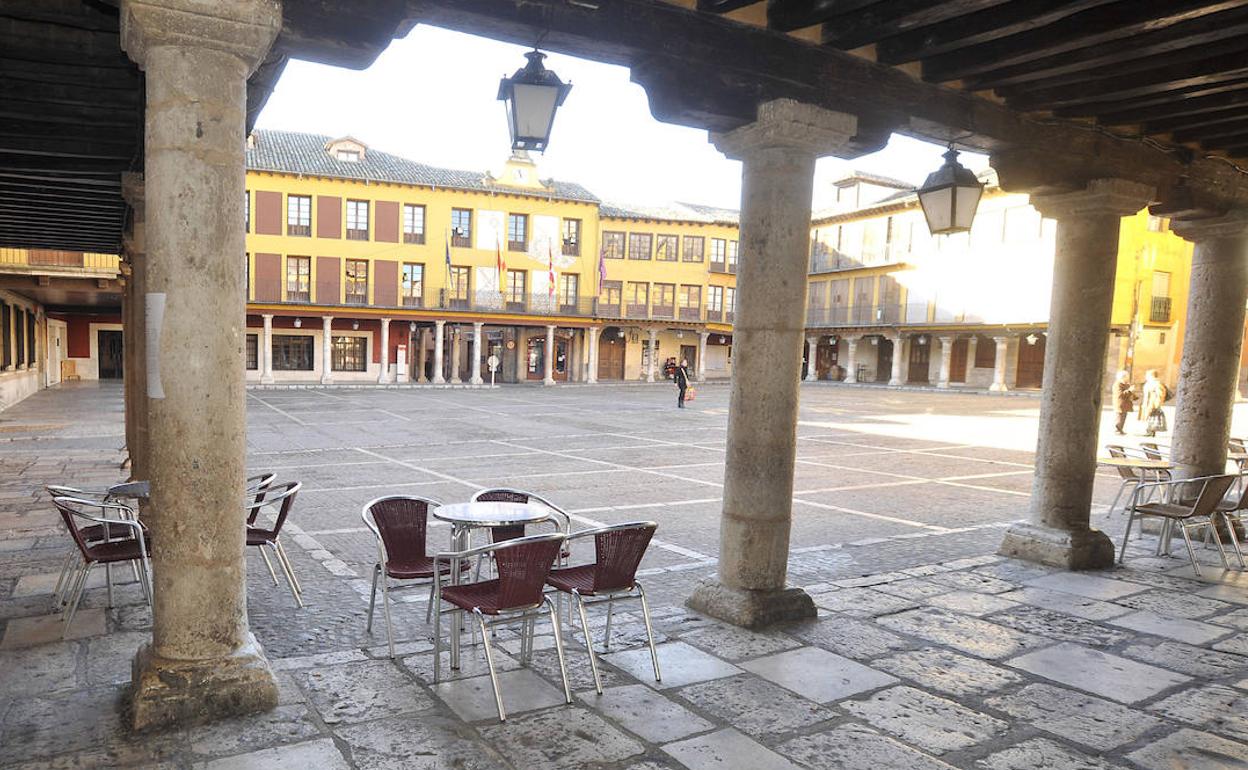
[268,213]
[385,279]
[268,278]
[328,216]
[328,281]
[387,227]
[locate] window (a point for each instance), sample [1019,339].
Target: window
[247,274]
[461,228]
[298,279]
[32,349]
[349,156]
[459,285]
[299,215]
[1159,308]
[693,249]
[292,353]
[413,284]
[690,301]
[246,211]
[639,245]
[572,237]
[515,287]
[357,282]
[730,300]
[19,320]
[816,295]
[253,353]
[517,232]
[664,298]
[613,245]
[357,220]
[637,295]
[732,256]
[611,293]
[413,223]
[666,248]
[6,345]
[569,289]
[714,299]
[719,252]
[350,354]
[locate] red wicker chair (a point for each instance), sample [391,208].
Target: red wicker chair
[82,516]
[400,525]
[263,538]
[560,517]
[613,576]
[516,594]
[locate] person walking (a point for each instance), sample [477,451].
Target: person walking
[1124,400]
[1154,396]
[680,375]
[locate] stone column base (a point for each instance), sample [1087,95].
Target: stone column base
[751,609]
[166,693]
[996,388]
[1078,550]
[266,380]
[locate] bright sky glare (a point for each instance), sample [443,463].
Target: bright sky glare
[432,97]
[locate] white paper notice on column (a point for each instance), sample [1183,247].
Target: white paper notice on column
[491,229]
[155,304]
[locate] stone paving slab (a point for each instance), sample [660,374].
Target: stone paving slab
[1097,672]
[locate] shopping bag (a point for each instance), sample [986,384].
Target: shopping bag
[690,393]
[1157,421]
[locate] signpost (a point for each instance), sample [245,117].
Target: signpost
[492,362]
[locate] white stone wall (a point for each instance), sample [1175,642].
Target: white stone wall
[17,384]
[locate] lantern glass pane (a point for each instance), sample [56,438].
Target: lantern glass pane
[533,110]
[938,208]
[968,201]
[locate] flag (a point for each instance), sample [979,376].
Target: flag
[550,255]
[448,254]
[602,267]
[502,266]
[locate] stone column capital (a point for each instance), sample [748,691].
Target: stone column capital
[327,319]
[267,316]
[1101,197]
[789,124]
[1233,224]
[385,320]
[478,325]
[242,28]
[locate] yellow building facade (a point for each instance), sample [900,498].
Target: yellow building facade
[388,270]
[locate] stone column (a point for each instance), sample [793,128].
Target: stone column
[812,346]
[1058,531]
[266,350]
[851,359]
[972,345]
[548,368]
[478,331]
[327,349]
[384,375]
[422,354]
[898,377]
[999,364]
[439,338]
[702,339]
[779,151]
[455,344]
[654,354]
[132,190]
[946,361]
[1212,339]
[591,373]
[203,662]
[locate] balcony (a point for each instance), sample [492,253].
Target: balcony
[416,300]
[690,313]
[356,299]
[1159,310]
[664,311]
[637,310]
[718,267]
[67,263]
[715,316]
[609,310]
[864,315]
[414,238]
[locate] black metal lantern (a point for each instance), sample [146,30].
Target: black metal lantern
[950,196]
[532,96]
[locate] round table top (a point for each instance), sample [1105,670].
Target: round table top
[1136,462]
[483,514]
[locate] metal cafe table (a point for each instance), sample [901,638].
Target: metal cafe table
[1152,471]
[464,518]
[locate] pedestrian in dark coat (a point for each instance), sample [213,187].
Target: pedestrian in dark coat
[1124,400]
[681,377]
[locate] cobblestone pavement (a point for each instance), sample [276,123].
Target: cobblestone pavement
[929,651]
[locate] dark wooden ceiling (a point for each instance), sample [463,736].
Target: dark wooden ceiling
[1172,70]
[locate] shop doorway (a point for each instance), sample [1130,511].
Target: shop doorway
[920,362]
[110,354]
[1030,372]
[884,360]
[611,348]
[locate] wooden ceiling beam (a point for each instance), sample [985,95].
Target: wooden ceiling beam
[881,21]
[1187,121]
[1119,111]
[1212,130]
[1097,26]
[1159,81]
[70,73]
[987,25]
[69,147]
[1226,143]
[1201,38]
[60,212]
[723,6]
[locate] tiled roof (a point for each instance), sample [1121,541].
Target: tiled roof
[987,176]
[671,212]
[298,153]
[876,179]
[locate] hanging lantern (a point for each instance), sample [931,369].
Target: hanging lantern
[532,96]
[950,196]
[298,322]
[355,325]
[1031,339]
[412,326]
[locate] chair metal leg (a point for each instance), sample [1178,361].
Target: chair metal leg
[645,613]
[489,661]
[1230,528]
[290,567]
[1121,488]
[563,663]
[429,607]
[437,644]
[108,581]
[62,580]
[1126,535]
[264,555]
[290,578]
[144,571]
[372,598]
[589,640]
[1217,539]
[80,587]
[385,604]
[1191,552]
[606,634]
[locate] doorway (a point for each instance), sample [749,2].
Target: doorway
[611,354]
[689,354]
[884,360]
[957,361]
[920,361]
[1030,372]
[825,360]
[535,359]
[56,352]
[109,344]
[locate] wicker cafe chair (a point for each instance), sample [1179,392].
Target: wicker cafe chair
[516,594]
[81,514]
[94,533]
[400,525]
[505,495]
[613,576]
[1187,513]
[262,538]
[257,487]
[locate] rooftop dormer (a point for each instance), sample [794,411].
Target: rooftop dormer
[520,171]
[346,149]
